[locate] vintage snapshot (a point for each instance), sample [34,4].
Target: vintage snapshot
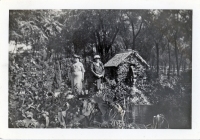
[100,69]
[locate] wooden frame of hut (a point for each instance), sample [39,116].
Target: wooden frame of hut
[129,68]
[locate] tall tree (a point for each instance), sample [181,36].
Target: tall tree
[181,28]
[156,31]
[133,24]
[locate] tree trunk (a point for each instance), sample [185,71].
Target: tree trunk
[153,62]
[111,51]
[157,54]
[184,68]
[176,54]
[180,63]
[173,69]
[133,40]
[125,43]
[135,35]
[133,47]
[169,70]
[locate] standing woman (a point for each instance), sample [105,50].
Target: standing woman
[98,71]
[77,76]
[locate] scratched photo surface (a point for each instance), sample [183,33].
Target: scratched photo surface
[100,69]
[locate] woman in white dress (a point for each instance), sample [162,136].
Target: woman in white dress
[77,76]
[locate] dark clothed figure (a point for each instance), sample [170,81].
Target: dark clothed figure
[98,71]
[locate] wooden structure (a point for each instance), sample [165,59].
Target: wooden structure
[128,67]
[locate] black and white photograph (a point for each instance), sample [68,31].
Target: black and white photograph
[99,69]
[102,68]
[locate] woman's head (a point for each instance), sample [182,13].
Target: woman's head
[97,58]
[76,58]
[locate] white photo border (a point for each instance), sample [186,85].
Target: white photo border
[10,133]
